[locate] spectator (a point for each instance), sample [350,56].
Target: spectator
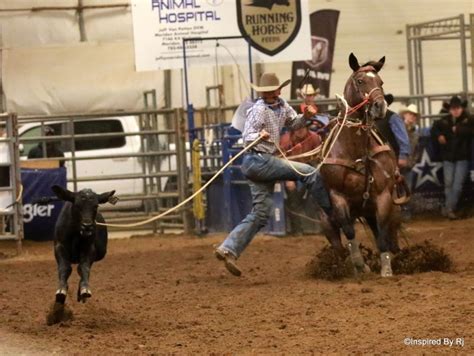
[308,94]
[411,118]
[454,134]
[52,149]
[391,127]
[320,126]
[298,140]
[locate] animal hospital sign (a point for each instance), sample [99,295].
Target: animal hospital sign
[276,30]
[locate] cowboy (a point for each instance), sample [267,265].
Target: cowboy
[308,94]
[265,119]
[454,133]
[411,118]
[300,139]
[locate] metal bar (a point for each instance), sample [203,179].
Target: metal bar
[410,59]
[428,36]
[463,56]
[98,135]
[63,8]
[252,92]
[82,27]
[421,24]
[471,26]
[95,115]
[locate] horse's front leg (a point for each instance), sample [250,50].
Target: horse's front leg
[385,227]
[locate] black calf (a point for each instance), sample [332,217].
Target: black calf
[77,238]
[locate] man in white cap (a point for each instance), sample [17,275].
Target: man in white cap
[265,119]
[410,117]
[308,94]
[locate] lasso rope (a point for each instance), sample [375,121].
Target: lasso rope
[318,167]
[213,178]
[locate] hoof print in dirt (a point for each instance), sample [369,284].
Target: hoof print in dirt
[58,312]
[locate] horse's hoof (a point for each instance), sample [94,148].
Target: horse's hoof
[61,294]
[356,256]
[366,269]
[84,294]
[386,265]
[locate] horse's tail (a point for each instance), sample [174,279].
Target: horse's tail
[401,192]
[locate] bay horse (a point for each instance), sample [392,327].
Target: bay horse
[360,170]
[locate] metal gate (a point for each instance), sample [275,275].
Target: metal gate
[11,217]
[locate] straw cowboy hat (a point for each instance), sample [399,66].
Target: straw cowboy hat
[410,108]
[269,82]
[308,89]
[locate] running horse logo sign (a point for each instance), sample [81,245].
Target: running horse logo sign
[269,25]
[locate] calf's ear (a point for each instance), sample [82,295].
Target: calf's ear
[62,193]
[104,197]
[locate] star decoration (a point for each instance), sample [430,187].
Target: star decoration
[426,170]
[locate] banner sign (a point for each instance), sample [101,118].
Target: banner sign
[39,220]
[323,40]
[427,182]
[276,29]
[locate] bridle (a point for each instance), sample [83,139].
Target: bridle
[366,97]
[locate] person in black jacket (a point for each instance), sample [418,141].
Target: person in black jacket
[454,133]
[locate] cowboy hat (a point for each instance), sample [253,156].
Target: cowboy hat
[308,89]
[410,108]
[269,82]
[456,101]
[389,99]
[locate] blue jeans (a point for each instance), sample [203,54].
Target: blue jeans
[455,174]
[263,170]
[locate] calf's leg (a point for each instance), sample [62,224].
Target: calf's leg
[64,271]
[84,268]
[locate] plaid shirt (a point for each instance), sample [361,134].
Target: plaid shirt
[271,118]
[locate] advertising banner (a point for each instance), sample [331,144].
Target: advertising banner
[276,30]
[323,40]
[39,220]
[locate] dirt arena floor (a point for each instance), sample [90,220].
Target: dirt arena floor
[170,295]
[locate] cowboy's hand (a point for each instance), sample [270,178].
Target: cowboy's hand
[264,135]
[402,162]
[309,112]
[442,140]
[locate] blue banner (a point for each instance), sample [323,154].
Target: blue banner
[39,220]
[427,183]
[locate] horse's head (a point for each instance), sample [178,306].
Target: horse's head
[366,84]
